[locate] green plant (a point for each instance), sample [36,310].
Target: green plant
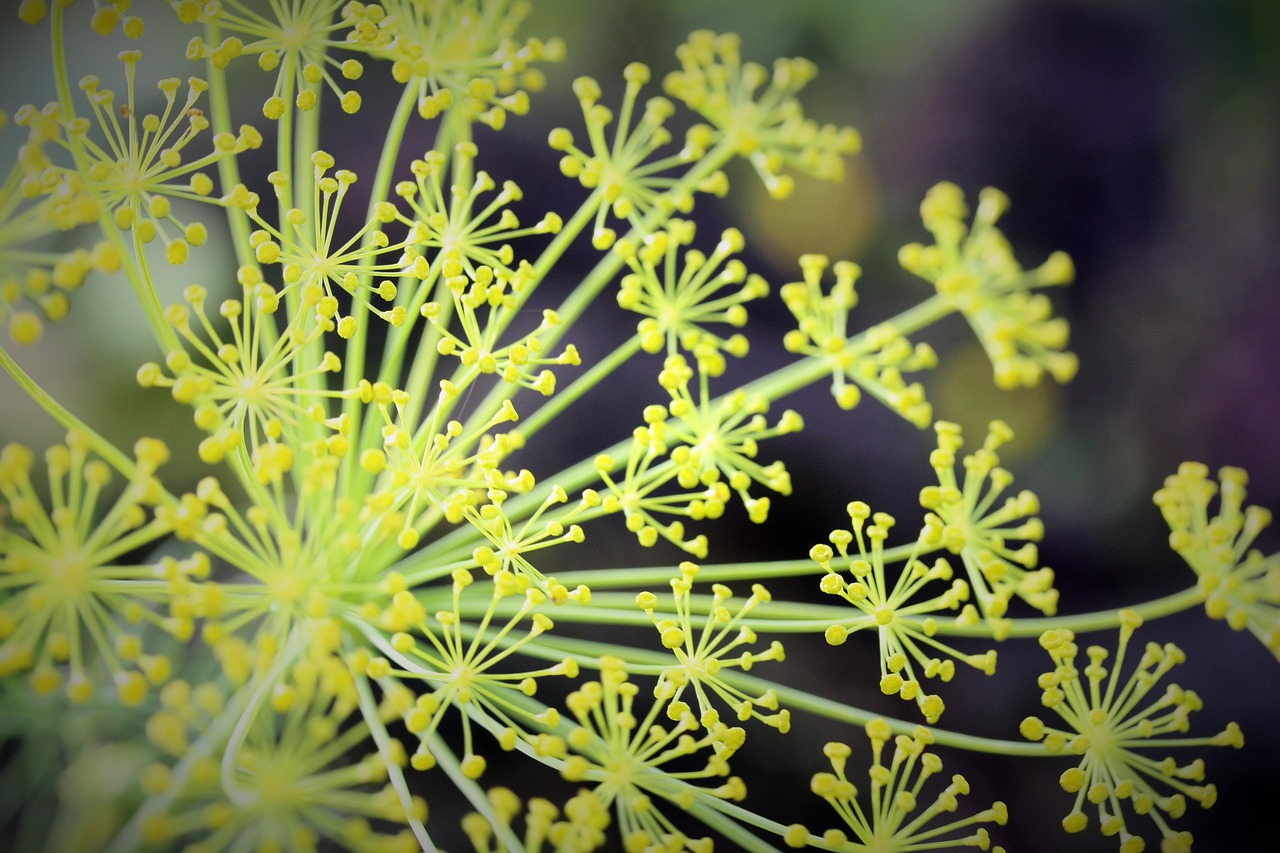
[362,602]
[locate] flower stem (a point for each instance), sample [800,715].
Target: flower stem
[369,710]
[62,415]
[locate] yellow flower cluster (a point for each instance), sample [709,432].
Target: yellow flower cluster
[1110,723]
[1239,583]
[975,272]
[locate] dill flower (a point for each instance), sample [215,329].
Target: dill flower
[459,663]
[905,625]
[37,202]
[679,295]
[108,16]
[974,270]
[74,595]
[873,360]
[702,654]
[362,587]
[307,249]
[459,227]
[976,526]
[294,41]
[140,166]
[247,386]
[1239,584]
[705,447]
[283,778]
[460,55]
[765,125]
[1110,728]
[625,750]
[892,818]
[578,828]
[623,174]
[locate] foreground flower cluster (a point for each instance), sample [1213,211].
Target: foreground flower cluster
[348,633]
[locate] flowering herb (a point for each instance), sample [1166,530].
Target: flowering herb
[380,595]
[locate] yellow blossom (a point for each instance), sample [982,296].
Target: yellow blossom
[974,271]
[1239,583]
[1110,724]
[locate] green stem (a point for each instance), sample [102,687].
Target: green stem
[228,167]
[369,710]
[627,577]
[355,350]
[1100,620]
[793,377]
[105,449]
[588,652]
[128,838]
[448,762]
[728,820]
[584,383]
[62,81]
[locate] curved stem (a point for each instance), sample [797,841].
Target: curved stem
[369,710]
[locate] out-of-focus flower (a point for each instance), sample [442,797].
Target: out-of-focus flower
[1240,584]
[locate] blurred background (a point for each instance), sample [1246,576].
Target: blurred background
[1141,137]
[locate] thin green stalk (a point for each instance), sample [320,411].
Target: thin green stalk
[354,361]
[228,167]
[793,377]
[61,78]
[128,838]
[355,351]
[448,762]
[1100,620]
[562,399]
[629,577]
[105,449]
[588,653]
[369,710]
[729,820]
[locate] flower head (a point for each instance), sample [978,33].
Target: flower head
[296,40]
[108,16]
[718,645]
[247,386]
[680,295]
[74,594]
[905,625]
[633,755]
[315,260]
[140,166]
[630,180]
[36,203]
[288,776]
[1111,723]
[763,123]
[461,227]
[977,526]
[707,447]
[578,828]
[974,269]
[457,55]
[1239,583]
[467,669]
[891,819]
[873,360]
